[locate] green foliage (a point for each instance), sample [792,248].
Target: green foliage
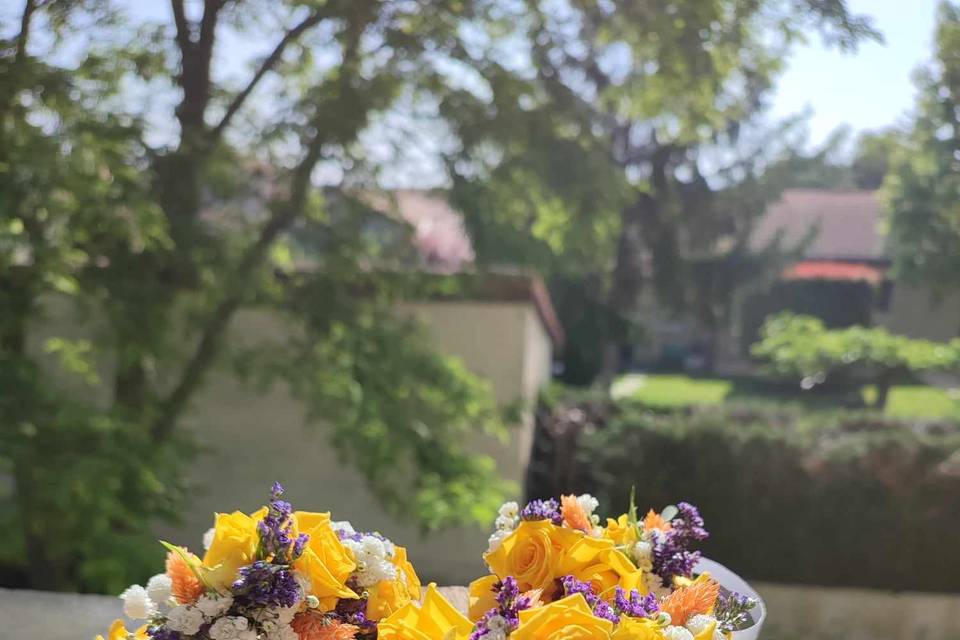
[89,481]
[398,411]
[838,303]
[802,349]
[148,200]
[598,151]
[922,186]
[841,498]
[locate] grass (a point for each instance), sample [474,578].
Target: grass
[671,391]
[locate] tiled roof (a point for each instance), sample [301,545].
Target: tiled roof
[438,231]
[846,223]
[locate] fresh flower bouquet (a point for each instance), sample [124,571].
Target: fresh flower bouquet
[558,574]
[276,574]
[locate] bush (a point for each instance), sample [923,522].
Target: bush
[841,498]
[801,349]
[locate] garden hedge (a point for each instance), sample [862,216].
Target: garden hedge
[844,498]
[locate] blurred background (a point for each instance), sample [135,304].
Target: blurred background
[414,258]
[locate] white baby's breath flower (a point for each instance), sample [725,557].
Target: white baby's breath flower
[303,581]
[283,632]
[158,588]
[642,555]
[232,628]
[588,503]
[185,619]
[343,526]
[373,560]
[137,604]
[674,633]
[496,539]
[214,606]
[208,538]
[284,614]
[699,623]
[509,510]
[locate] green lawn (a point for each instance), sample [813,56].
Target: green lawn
[674,391]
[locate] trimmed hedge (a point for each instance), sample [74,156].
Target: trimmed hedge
[845,498]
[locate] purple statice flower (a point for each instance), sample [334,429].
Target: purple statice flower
[505,616]
[356,536]
[354,611]
[162,633]
[276,531]
[635,605]
[732,611]
[672,555]
[542,510]
[263,584]
[601,608]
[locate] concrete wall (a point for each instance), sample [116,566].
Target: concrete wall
[251,438]
[821,613]
[254,439]
[916,312]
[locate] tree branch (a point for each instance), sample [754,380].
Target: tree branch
[24,35]
[269,62]
[183,27]
[213,332]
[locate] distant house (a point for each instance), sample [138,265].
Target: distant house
[844,274]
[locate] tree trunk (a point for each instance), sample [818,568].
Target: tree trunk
[624,288]
[884,383]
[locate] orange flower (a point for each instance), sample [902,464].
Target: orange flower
[654,521]
[312,625]
[686,602]
[573,514]
[186,587]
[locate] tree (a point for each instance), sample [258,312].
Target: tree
[801,349]
[832,166]
[621,131]
[144,228]
[922,190]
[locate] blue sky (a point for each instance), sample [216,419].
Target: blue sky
[868,89]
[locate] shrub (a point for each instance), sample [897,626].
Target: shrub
[801,349]
[841,498]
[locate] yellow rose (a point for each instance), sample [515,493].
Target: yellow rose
[567,619]
[436,619]
[637,629]
[595,560]
[482,596]
[385,598]
[388,596]
[118,631]
[532,554]
[620,531]
[325,543]
[325,561]
[405,572]
[234,545]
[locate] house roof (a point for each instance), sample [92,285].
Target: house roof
[441,239]
[834,270]
[845,224]
[439,235]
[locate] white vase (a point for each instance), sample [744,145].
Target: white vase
[729,580]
